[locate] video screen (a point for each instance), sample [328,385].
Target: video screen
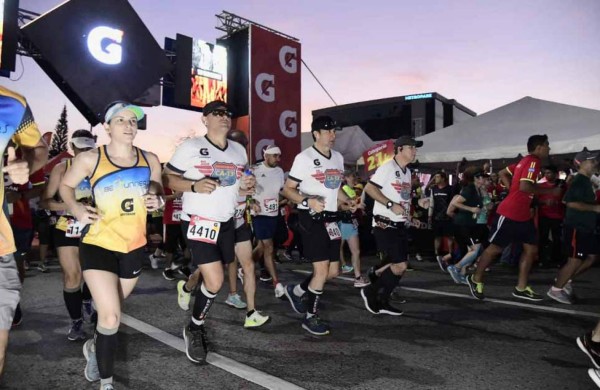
[209,73]
[9,10]
[106,53]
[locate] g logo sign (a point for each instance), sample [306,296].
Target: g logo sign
[260,145]
[265,87]
[127,205]
[111,53]
[288,58]
[288,123]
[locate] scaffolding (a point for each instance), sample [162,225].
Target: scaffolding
[230,23]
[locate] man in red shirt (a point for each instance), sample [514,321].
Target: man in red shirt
[551,212]
[514,222]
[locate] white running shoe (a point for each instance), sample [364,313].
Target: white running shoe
[279,291]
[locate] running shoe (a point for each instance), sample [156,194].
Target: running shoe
[183,298]
[370,300]
[527,294]
[455,273]
[386,308]
[568,288]
[586,345]
[153,261]
[88,312]
[396,297]
[475,288]
[42,268]
[264,276]
[361,282]
[255,320]
[441,263]
[346,269]
[76,332]
[279,291]
[314,325]
[297,305]
[240,275]
[196,344]
[169,274]
[18,317]
[91,372]
[26,265]
[288,256]
[234,300]
[372,275]
[595,376]
[560,296]
[107,386]
[419,257]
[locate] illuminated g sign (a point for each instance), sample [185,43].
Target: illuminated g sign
[111,53]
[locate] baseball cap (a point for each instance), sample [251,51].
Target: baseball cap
[407,140]
[324,123]
[215,105]
[271,149]
[586,155]
[117,107]
[83,139]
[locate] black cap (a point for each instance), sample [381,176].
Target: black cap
[324,123]
[215,105]
[586,155]
[407,140]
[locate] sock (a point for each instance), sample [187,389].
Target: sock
[202,305]
[389,281]
[106,381]
[106,350]
[306,282]
[556,289]
[298,291]
[250,313]
[185,289]
[313,302]
[73,302]
[86,295]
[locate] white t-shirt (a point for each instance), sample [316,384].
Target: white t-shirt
[318,175]
[395,184]
[197,158]
[269,182]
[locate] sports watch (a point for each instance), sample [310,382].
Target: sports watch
[389,204]
[304,202]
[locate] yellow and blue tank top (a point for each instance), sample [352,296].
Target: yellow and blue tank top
[82,192]
[117,192]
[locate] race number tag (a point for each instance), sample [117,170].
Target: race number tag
[204,230]
[74,229]
[333,230]
[176,216]
[406,207]
[271,205]
[240,210]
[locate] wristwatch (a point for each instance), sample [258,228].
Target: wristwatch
[389,204]
[304,202]
[193,184]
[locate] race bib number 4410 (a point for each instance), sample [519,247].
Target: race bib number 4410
[204,230]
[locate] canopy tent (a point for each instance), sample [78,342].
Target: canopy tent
[502,133]
[351,142]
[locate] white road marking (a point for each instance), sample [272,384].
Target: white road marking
[236,368]
[500,301]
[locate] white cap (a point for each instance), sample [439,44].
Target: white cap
[272,149]
[83,142]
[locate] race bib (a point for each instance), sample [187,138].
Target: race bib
[204,230]
[240,210]
[74,229]
[271,205]
[333,230]
[406,207]
[176,216]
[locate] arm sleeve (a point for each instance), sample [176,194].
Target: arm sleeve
[531,173]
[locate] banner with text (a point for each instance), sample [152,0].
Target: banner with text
[375,156]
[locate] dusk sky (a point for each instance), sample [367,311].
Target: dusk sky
[482,53]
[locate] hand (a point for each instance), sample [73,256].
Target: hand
[254,206]
[476,210]
[86,214]
[397,209]
[351,205]
[153,202]
[18,170]
[248,181]
[316,204]
[206,185]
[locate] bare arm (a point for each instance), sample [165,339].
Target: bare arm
[51,189]
[458,202]
[290,191]
[36,156]
[153,199]
[505,178]
[584,206]
[375,193]
[178,183]
[82,167]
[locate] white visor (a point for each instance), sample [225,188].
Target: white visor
[83,142]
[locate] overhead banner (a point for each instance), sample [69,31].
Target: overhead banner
[274,94]
[375,156]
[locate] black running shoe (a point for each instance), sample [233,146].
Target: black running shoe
[586,345]
[370,300]
[475,288]
[184,272]
[264,276]
[386,308]
[196,344]
[314,325]
[372,275]
[169,274]
[396,297]
[18,318]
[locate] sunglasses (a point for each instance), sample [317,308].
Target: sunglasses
[222,113]
[331,126]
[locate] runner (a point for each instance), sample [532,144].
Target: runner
[269,182]
[314,183]
[209,171]
[66,237]
[443,227]
[19,129]
[174,237]
[514,221]
[125,185]
[390,187]
[589,344]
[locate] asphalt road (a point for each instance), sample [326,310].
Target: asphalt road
[445,339]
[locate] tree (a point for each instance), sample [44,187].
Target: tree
[61,135]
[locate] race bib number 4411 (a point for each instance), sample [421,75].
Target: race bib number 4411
[204,230]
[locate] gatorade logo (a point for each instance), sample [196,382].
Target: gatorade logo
[104,44]
[127,205]
[288,123]
[260,146]
[288,58]
[265,87]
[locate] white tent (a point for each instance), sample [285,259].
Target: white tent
[503,132]
[351,142]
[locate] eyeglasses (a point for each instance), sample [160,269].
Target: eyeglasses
[222,113]
[119,120]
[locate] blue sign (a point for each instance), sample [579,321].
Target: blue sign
[419,96]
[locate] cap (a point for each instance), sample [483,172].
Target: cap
[83,141]
[271,149]
[115,108]
[407,140]
[324,123]
[586,155]
[215,105]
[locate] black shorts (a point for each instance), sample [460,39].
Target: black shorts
[60,239]
[23,238]
[393,242]
[173,236]
[444,228]
[205,253]
[467,236]
[125,265]
[44,228]
[580,245]
[264,227]
[243,233]
[315,239]
[506,231]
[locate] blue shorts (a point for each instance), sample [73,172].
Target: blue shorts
[264,227]
[348,230]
